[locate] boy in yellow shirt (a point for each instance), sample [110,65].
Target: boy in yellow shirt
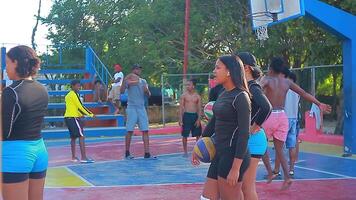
[72,118]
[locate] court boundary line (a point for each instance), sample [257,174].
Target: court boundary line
[197,183]
[80,177]
[322,171]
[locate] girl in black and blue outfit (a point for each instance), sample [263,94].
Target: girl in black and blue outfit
[24,104]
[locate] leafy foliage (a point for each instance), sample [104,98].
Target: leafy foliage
[150,32]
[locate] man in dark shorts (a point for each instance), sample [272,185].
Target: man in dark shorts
[189,114]
[72,118]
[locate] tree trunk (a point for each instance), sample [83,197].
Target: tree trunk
[340,116]
[34,30]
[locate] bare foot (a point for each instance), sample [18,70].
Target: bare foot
[286,184]
[271,177]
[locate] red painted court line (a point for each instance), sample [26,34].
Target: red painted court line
[300,190]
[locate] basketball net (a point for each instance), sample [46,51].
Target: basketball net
[262,33]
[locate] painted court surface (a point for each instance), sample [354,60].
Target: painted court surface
[171,176]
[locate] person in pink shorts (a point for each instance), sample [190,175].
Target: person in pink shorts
[276,86]
[276,125]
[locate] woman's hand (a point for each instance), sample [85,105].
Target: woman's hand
[197,123]
[254,128]
[195,161]
[233,177]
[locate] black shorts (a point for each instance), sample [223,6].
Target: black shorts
[189,120]
[222,163]
[256,156]
[8,177]
[75,126]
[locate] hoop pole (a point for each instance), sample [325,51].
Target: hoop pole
[186,37]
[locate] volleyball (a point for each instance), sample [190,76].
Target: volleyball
[205,149]
[208,109]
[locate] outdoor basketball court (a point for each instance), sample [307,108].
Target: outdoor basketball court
[172,176]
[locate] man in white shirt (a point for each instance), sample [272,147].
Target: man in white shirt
[291,109]
[114,94]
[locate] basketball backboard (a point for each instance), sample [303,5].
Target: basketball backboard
[269,12]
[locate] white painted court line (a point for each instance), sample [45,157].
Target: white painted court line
[80,177]
[325,172]
[108,186]
[197,183]
[309,179]
[299,161]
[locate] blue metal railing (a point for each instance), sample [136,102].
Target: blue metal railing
[61,59]
[95,65]
[3,58]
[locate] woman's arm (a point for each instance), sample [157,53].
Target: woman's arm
[243,107]
[264,106]
[209,128]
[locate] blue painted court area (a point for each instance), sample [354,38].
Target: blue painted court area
[174,169]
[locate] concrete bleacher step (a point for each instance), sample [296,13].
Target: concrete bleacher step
[119,118]
[88,132]
[62,71]
[86,104]
[65,92]
[62,81]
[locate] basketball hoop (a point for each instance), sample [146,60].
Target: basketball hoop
[262,33]
[265,13]
[262,30]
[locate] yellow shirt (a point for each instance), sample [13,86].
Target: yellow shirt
[74,107]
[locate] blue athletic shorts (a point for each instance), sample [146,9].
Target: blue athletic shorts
[292,133]
[136,115]
[28,159]
[257,143]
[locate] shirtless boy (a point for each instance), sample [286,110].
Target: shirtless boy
[189,113]
[276,86]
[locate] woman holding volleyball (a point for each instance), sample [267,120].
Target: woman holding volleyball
[232,113]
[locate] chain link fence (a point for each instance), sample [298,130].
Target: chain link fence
[325,82]
[173,87]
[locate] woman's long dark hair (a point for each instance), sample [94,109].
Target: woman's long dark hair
[237,72]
